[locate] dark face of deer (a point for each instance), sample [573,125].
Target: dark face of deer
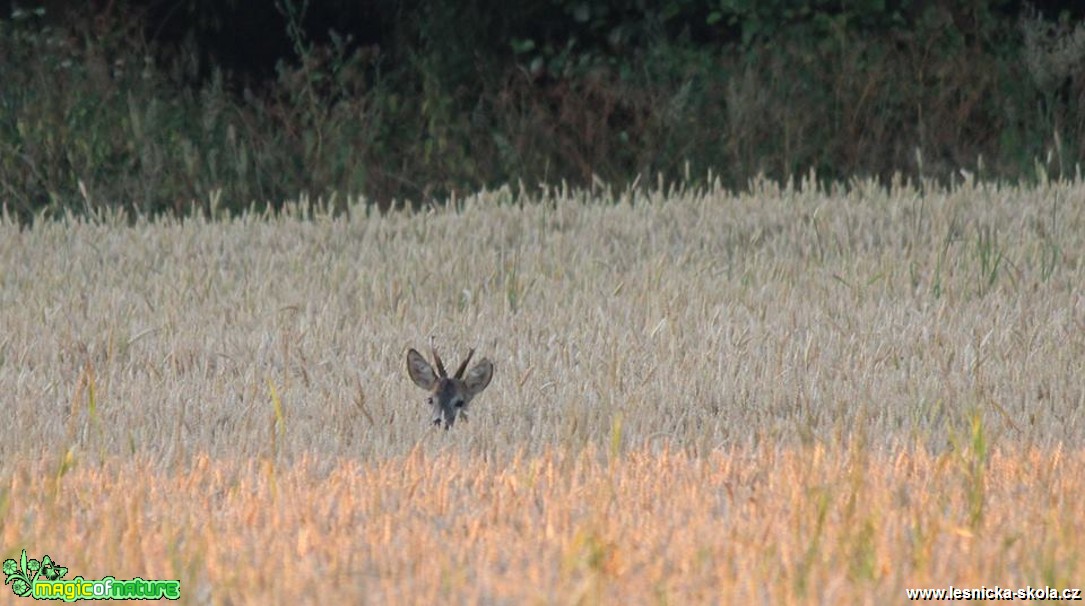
[449,396]
[448,402]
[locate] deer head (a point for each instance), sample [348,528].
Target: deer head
[449,396]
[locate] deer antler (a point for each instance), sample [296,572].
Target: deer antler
[463,365]
[436,358]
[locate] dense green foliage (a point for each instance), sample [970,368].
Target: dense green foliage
[99,111]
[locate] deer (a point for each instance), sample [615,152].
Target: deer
[449,396]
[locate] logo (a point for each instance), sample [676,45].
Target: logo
[44,580]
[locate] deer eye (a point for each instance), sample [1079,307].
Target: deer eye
[458,404]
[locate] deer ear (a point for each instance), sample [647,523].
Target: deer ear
[479,377]
[420,371]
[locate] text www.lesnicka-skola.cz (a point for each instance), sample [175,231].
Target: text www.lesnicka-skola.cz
[994,593]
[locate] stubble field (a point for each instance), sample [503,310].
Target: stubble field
[786,396]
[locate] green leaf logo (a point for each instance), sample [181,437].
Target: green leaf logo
[22,574]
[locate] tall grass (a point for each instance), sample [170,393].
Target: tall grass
[790,394]
[759,525]
[788,314]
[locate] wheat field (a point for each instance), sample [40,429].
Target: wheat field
[790,395]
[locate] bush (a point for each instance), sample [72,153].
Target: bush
[465,96]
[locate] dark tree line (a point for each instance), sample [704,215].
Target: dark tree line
[166,105]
